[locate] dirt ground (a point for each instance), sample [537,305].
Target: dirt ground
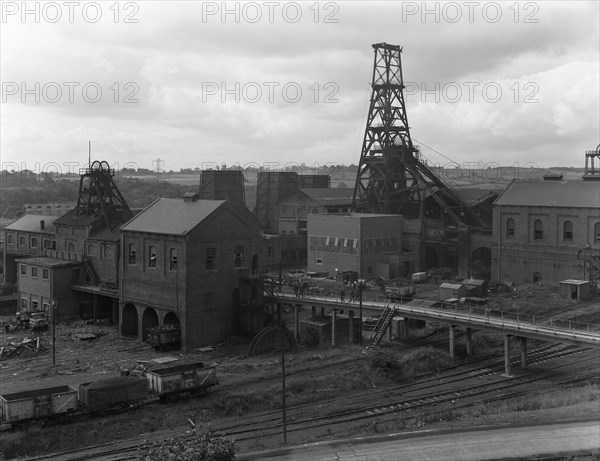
[79,361]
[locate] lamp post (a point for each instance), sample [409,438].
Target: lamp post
[53,307]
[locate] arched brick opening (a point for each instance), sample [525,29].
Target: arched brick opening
[171,319]
[149,320]
[129,321]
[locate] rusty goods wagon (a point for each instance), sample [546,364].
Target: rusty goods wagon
[195,377]
[37,403]
[113,393]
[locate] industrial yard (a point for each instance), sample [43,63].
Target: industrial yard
[395,236]
[331,393]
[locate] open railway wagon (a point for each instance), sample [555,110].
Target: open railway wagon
[193,378]
[165,337]
[113,394]
[19,407]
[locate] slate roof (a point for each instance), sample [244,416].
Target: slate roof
[31,223]
[47,262]
[329,196]
[72,219]
[172,216]
[573,194]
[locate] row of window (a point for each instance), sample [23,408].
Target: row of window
[47,244]
[210,258]
[34,305]
[538,230]
[34,272]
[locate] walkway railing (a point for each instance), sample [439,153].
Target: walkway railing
[475,315]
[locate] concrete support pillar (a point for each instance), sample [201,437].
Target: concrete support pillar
[351,326]
[115,312]
[333,316]
[296,323]
[403,329]
[140,311]
[469,335]
[313,311]
[451,337]
[507,356]
[523,342]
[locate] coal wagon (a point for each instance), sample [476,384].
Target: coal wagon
[49,402]
[113,394]
[165,337]
[194,378]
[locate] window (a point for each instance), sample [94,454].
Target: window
[45,274]
[21,241]
[319,261]
[538,230]
[597,232]
[132,253]
[209,299]
[211,259]
[239,256]
[34,242]
[108,252]
[269,251]
[46,244]
[315,211]
[71,247]
[537,277]
[33,271]
[23,269]
[24,303]
[510,228]
[34,305]
[11,238]
[173,259]
[568,231]
[151,256]
[92,251]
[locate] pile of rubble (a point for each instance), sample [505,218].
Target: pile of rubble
[25,347]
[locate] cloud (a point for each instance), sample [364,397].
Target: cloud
[168,63]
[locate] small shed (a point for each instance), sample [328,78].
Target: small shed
[452,290]
[578,290]
[476,287]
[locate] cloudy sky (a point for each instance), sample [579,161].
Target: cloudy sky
[274,83]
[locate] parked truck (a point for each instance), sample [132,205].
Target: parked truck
[38,321]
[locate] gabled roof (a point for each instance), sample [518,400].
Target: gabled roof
[474,282]
[453,286]
[329,196]
[172,216]
[72,219]
[32,223]
[574,194]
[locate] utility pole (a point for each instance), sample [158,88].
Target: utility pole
[53,305]
[283,379]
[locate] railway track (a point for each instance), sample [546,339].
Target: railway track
[418,399]
[271,426]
